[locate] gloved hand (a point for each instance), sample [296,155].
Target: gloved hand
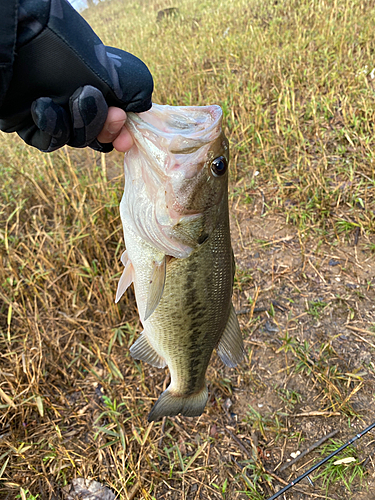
[64,79]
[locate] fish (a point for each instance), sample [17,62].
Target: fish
[175,218]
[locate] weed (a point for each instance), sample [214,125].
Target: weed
[289,343]
[114,429]
[266,423]
[316,308]
[252,492]
[255,478]
[345,226]
[222,489]
[344,467]
[289,396]
[242,278]
[26,495]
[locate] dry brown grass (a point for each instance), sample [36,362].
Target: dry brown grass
[299,106]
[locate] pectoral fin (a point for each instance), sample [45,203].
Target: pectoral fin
[143,350]
[124,257]
[230,348]
[126,277]
[156,288]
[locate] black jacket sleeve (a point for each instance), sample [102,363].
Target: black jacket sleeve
[8,33]
[59,78]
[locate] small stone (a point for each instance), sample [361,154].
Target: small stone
[270,327]
[227,404]
[213,431]
[352,286]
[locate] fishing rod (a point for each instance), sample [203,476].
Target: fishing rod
[307,473]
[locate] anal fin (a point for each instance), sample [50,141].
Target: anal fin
[230,348]
[143,350]
[127,276]
[156,288]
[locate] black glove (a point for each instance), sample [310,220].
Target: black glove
[64,79]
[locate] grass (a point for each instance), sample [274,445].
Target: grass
[318,363]
[264,423]
[345,467]
[26,495]
[295,83]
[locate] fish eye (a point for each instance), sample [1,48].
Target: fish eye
[219,166]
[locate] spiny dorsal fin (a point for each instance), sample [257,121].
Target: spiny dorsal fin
[156,288]
[143,350]
[127,276]
[230,348]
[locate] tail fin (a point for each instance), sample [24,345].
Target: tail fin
[169,405]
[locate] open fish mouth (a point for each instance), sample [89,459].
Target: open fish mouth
[185,128]
[174,140]
[168,169]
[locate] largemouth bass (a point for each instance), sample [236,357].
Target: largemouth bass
[178,254]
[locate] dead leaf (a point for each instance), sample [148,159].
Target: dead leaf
[345,461]
[87,489]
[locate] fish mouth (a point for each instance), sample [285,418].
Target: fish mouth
[174,142]
[190,122]
[167,135]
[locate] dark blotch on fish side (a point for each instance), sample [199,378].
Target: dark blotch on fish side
[196,314]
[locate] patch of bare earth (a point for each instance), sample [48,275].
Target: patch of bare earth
[307,311]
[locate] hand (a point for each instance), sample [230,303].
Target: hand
[114,131]
[64,79]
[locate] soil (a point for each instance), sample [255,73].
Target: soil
[322,295]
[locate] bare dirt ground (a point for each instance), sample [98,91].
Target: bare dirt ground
[323,296]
